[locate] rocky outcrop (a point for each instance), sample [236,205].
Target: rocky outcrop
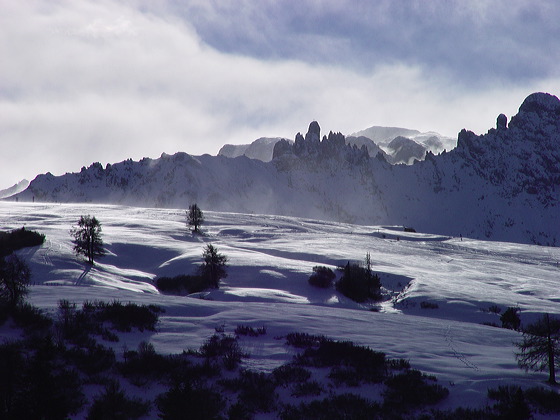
[332,146]
[502,185]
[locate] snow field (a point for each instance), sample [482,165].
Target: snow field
[270,260]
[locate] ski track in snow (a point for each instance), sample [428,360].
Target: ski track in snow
[270,260]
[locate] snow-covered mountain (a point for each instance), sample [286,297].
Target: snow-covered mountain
[502,185]
[260,149]
[14,189]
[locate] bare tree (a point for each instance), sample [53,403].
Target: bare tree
[87,238]
[195,217]
[540,348]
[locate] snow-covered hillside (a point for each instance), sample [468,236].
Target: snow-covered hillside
[502,185]
[270,260]
[14,189]
[260,149]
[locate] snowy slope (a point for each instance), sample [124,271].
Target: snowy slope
[270,259]
[14,189]
[260,149]
[500,186]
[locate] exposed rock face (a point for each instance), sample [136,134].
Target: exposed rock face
[501,122]
[332,146]
[406,150]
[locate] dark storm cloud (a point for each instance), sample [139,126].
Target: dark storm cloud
[470,41]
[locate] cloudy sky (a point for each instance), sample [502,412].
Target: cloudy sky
[84,81]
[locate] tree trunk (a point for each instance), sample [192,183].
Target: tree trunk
[550,348]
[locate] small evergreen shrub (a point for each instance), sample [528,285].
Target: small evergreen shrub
[307,389]
[412,389]
[91,360]
[145,365]
[125,317]
[304,340]
[322,277]
[187,400]
[115,405]
[31,318]
[510,318]
[359,283]
[398,364]
[428,305]
[257,390]
[289,374]
[495,309]
[224,347]
[462,414]
[77,325]
[510,403]
[546,401]
[344,376]
[344,406]
[250,331]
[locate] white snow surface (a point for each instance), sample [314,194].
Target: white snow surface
[270,260]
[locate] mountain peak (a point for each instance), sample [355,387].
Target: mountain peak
[541,102]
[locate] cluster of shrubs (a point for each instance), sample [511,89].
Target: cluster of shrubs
[94,316]
[352,365]
[42,374]
[357,283]
[53,363]
[18,239]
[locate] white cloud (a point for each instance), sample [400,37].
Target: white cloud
[105,81]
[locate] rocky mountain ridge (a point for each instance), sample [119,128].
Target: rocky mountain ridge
[503,185]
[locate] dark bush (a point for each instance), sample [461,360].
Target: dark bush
[50,390]
[368,365]
[398,364]
[307,389]
[495,309]
[146,365]
[290,373]
[182,284]
[510,403]
[31,318]
[412,389]
[91,360]
[225,347]
[304,340]
[131,315]
[463,414]
[77,325]
[113,404]
[185,400]
[18,239]
[359,283]
[510,318]
[250,331]
[428,305]
[344,406]
[257,390]
[322,277]
[546,401]
[345,376]
[12,379]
